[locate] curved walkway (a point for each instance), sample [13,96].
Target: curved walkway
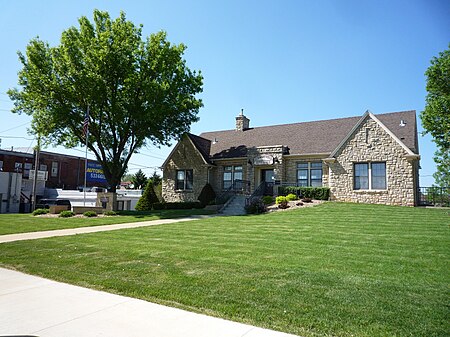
[93,229]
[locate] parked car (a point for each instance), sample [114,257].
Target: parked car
[46,203]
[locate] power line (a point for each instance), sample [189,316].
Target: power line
[16,137]
[15,127]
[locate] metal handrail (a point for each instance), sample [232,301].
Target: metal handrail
[258,192]
[237,187]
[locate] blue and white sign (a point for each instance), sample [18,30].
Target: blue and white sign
[95,173]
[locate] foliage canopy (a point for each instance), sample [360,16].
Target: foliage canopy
[436,116]
[139,91]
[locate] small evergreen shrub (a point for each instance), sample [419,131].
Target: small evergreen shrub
[40,211]
[268,199]
[66,214]
[255,206]
[291,197]
[318,193]
[110,213]
[280,199]
[207,194]
[90,214]
[147,199]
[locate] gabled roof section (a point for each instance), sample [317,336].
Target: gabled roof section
[392,119]
[202,145]
[307,137]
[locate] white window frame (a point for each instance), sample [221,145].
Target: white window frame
[309,169]
[239,169]
[369,167]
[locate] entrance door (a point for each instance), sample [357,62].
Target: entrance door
[268,177]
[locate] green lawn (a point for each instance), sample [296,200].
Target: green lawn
[332,270]
[23,223]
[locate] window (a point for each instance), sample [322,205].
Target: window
[309,174]
[231,174]
[370,176]
[185,180]
[54,172]
[18,167]
[1,165]
[28,167]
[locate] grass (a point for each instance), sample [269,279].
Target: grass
[331,270]
[23,223]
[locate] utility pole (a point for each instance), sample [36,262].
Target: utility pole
[36,168]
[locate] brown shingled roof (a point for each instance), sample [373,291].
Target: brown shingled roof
[307,137]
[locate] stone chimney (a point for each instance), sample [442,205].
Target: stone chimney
[242,122]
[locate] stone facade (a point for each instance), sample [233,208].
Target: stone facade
[371,143]
[184,157]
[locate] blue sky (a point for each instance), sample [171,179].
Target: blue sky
[282,61]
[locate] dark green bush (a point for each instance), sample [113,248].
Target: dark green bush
[318,193]
[255,206]
[207,194]
[66,214]
[110,213]
[177,205]
[268,199]
[40,211]
[90,214]
[147,199]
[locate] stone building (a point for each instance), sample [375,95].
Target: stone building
[368,159]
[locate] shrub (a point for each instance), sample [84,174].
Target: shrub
[291,197]
[110,213]
[255,206]
[90,214]
[306,200]
[40,211]
[280,199]
[318,193]
[177,205]
[207,194]
[283,204]
[268,199]
[147,199]
[66,214]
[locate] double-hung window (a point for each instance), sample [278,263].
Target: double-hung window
[369,176]
[231,174]
[309,174]
[185,180]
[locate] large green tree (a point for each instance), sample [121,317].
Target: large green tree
[436,116]
[138,91]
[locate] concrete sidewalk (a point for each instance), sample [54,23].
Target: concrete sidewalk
[35,306]
[94,229]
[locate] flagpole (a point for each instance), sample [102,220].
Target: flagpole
[86,160]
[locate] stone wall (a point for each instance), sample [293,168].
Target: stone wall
[371,143]
[184,157]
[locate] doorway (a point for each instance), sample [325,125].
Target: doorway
[267,176]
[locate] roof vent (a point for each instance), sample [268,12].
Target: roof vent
[402,123]
[215,140]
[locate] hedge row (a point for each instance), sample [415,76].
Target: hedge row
[177,205]
[317,193]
